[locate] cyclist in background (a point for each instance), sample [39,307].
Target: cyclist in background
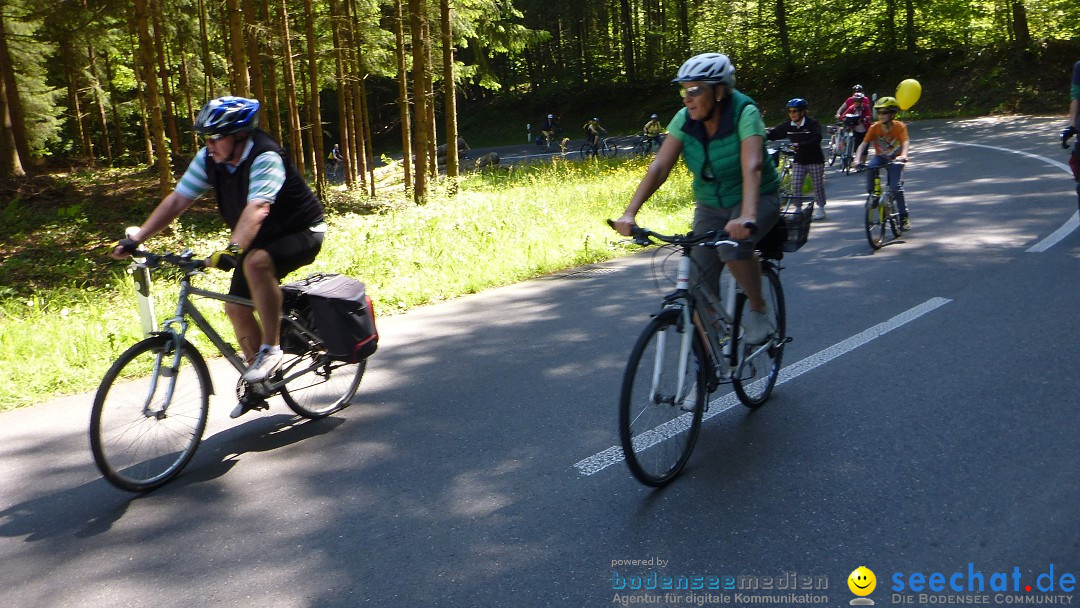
[858,113]
[890,139]
[805,135]
[335,159]
[1074,124]
[276,221]
[855,90]
[593,133]
[651,132]
[721,137]
[550,129]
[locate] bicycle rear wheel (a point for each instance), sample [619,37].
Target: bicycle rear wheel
[658,424]
[760,363]
[874,215]
[149,416]
[323,385]
[586,151]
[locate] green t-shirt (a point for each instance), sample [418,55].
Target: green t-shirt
[727,168]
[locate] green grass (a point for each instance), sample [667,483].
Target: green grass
[499,228]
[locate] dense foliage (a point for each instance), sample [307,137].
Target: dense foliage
[82,78]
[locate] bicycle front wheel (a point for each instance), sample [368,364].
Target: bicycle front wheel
[322,386]
[874,214]
[609,150]
[893,215]
[757,366]
[149,414]
[662,399]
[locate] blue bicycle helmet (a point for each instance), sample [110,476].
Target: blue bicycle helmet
[798,103]
[227,115]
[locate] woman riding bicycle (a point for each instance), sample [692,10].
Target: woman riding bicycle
[890,139]
[857,115]
[720,135]
[805,135]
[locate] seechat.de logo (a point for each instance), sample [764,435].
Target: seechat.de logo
[862,582]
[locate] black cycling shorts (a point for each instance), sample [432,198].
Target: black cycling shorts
[288,252]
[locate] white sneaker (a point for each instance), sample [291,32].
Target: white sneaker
[266,363]
[757,327]
[819,214]
[689,402]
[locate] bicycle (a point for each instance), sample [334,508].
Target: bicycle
[881,209]
[847,143]
[150,410]
[784,158]
[693,344]
[605,148]
[645,144]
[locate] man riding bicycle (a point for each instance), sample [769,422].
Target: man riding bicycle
[335,159]
[650,133]
[276,221]
[890,139]
[550,129]
[593,133]
[856,115]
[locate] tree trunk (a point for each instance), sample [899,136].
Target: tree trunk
[429,91]
[153,101]
[140,89]
[782,30]
[403,96]
[240,84]
[10,166]
[360,126]
[449,91]
[99,101]
[417,16]
[627,27]
[344,138]
[297,151]
[208,70]
[313,104]
[14,105]
[168,112]
[251,24]
[272,103]
[118,133]
[71,73]
[1021,31]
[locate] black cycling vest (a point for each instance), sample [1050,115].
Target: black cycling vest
[296,207]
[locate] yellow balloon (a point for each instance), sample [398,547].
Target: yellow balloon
[908,92]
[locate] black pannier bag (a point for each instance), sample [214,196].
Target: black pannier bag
[338,309]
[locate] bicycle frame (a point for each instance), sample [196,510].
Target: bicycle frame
[177,327]
[717,340]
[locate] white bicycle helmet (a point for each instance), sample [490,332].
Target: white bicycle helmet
[713,68]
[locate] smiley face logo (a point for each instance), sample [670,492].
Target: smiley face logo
[862,581]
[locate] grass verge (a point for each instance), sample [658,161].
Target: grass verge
[60,335]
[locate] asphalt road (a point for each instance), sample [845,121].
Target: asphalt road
[926,424]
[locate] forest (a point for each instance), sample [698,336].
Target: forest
[118,82]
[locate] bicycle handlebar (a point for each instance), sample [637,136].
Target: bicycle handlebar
[184,260]
[714,238]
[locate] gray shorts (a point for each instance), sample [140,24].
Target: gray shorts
[709,261]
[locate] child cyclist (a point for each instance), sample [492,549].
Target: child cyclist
[890,139]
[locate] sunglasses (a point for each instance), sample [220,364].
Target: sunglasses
[793,110]
[696,91]
[217,137]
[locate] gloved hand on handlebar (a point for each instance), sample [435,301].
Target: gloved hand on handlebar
[226,259]
[126,245]
[1066,134]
